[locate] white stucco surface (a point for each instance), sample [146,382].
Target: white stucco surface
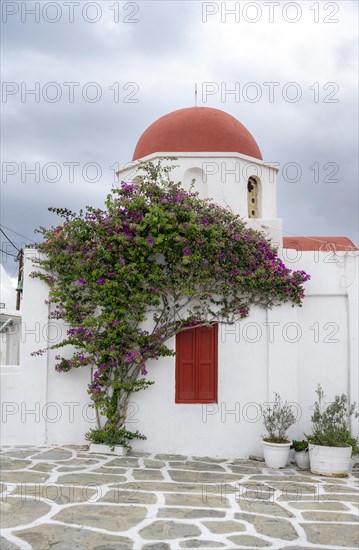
[287,350]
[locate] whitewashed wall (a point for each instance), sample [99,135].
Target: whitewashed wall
[39,405]
[286,349]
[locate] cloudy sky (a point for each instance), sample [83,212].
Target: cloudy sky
[101,72]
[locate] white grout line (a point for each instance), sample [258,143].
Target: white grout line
[296,521]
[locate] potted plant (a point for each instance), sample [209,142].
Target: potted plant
[277,420]
[111,440]
[331,444]
[301,454]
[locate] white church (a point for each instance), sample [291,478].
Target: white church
[286,349]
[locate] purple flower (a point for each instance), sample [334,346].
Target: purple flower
[186,252]
[101,281]
[149,240]
[127,187]
[234,272]
[81,282]
[236,237]
[205,221]
[129,357]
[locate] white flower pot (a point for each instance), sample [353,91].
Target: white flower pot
[118,450]
[330,461]
[276,454]
[302,459]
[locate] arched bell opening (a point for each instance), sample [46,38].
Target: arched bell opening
[253,198]
[196,178]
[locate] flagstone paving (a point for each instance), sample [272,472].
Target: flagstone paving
[63,498]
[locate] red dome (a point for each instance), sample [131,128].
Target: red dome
[197,129]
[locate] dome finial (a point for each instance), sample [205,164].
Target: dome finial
[195,94]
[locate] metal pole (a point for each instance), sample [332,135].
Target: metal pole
[19,277]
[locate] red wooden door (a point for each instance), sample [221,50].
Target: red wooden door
[196,365]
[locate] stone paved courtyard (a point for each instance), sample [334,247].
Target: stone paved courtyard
[64,498]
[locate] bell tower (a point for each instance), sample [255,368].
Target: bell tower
[221,155]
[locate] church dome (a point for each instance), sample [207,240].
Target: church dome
[194,130]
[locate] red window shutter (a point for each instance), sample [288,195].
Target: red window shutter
[196,365]
[185,371]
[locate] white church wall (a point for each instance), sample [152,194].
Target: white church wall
[39,405]
[329,317]
[286,350]
[323,351]
[221,429]
[23,393]
[270,351]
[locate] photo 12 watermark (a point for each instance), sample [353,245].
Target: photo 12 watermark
[69,12]
[69,92]
[270,12]
[270,92]
[53,412]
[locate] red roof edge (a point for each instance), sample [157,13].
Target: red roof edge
[321,244]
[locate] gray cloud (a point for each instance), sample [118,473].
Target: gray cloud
[164,54]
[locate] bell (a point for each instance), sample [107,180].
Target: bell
[19,287]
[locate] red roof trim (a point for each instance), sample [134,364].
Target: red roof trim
[321,244]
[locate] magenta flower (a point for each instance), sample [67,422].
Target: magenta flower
[150,240]
[101,281]
[81,282]
[186,252]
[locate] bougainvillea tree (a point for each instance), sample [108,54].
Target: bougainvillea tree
[155,261]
